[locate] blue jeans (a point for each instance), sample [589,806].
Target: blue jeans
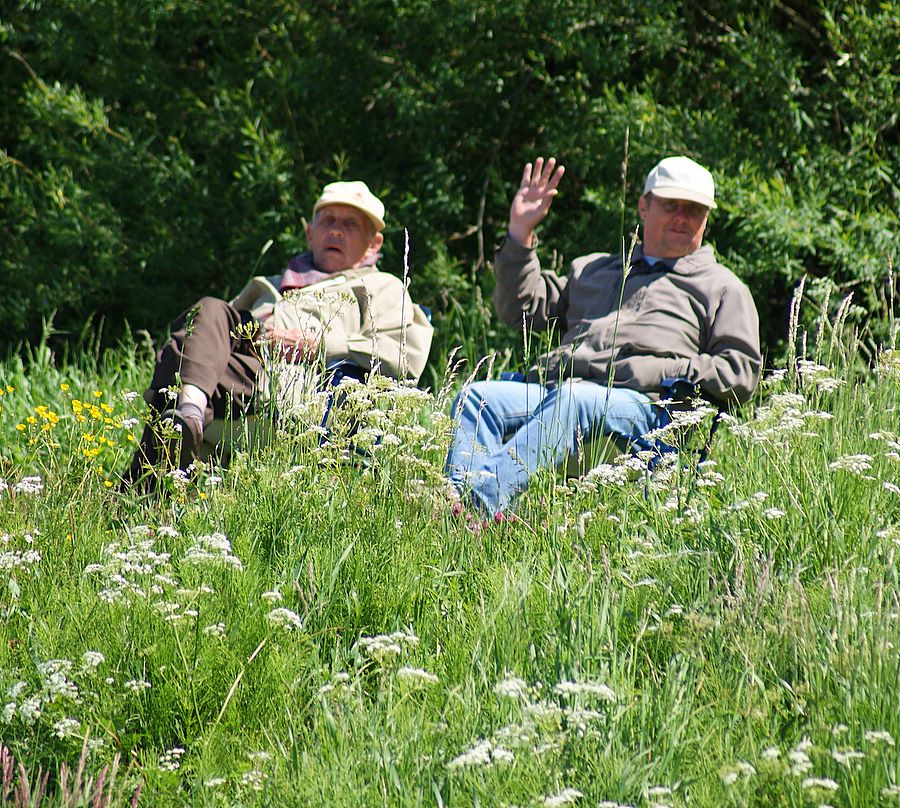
[507,430]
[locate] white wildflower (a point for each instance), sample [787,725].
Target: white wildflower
[745,769]
[385,647]
[659,791]
[137,685]
[820,782]
[66,727]
[170,760]
[800,762]
[285,618]
[773,513]
[214,548]
[214,782]
[30,709]
[879,736]
[214,630]
[417,676]
[565,797]
[254,779]
[17,690]
[771,753]
[91,660]
[844,757]
[481,754]
[128,396]
[29,485]
[598,689]
[511,688]
[805,745]
[891,791]
[272,596]
[855,464]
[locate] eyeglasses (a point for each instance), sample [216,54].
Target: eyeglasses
[692,210]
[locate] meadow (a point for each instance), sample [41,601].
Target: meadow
[311,626]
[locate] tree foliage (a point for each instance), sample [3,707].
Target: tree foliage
[150,149]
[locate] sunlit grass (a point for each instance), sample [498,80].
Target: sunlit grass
[314,625]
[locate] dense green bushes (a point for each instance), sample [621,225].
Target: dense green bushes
[152,148]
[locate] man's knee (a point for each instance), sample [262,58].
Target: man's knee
[210,306]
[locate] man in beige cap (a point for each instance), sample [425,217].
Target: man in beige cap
[331,303]
[626,333]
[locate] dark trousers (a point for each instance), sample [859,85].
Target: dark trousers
[208,350]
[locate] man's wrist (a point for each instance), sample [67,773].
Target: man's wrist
[524,238]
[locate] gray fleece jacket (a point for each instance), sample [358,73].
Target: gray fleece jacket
[696,320]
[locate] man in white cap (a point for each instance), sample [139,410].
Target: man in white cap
[331,303]
[626,331]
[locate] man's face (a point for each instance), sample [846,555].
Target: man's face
[672,227]
[341,237]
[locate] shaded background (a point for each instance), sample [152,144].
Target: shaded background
[151,149]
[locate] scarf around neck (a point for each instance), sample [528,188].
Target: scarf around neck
[302,272]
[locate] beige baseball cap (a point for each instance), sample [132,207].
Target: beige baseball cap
[357,195]
[682,178]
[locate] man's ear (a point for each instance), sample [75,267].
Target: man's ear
[643,203]
[375,244]
[308,228]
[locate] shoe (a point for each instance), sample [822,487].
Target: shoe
[143,461]
[185,447]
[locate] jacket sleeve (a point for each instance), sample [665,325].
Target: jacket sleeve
[525,296]
[731,364]
[392,331]
[728,368]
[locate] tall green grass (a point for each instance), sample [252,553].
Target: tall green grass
[314,627]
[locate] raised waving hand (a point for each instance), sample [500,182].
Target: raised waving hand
[533,199]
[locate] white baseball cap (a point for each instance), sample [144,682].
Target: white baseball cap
[357,195]
[682,178]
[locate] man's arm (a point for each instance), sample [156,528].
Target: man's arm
[727,370]
[392,330]
[524,295]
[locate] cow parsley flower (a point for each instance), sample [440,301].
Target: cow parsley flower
[820,782]
[855,464]
[417,676]
[66,727]
[511,688]
[844,757]
[565,797]
[29,485]
[597,689]
[879,736]
[285,618]
[484,753]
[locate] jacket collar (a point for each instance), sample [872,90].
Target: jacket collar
[686,265]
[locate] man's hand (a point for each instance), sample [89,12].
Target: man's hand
[294,344]
[533,199]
